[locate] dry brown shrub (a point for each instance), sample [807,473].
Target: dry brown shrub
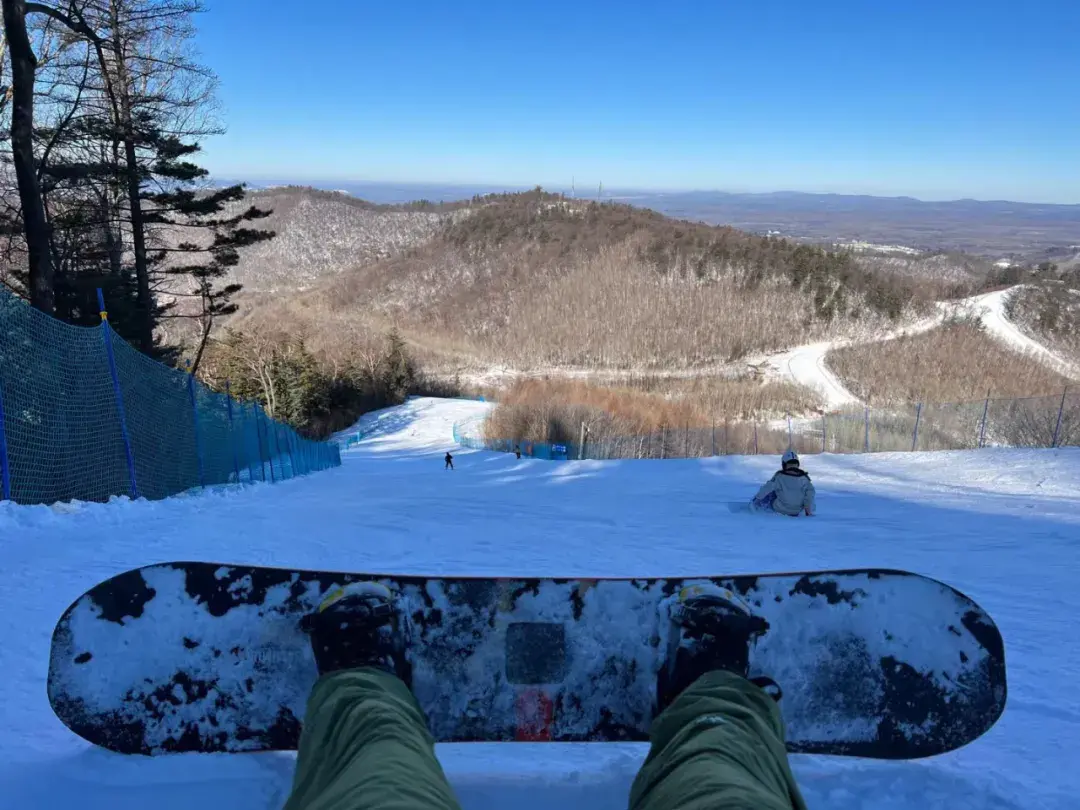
[729,398]
[956,363]
[623,422]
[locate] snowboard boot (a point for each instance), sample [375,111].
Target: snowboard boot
[360,626]
[711,628]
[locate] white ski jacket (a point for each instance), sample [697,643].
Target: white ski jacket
[794,492]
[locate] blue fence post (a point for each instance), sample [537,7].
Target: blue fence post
[982,427]
[260,429]
[232,433]
[118,395]
[915,434]
[292,456]
[195,423]
[276,450]
[1057,427]
[5,473]
[258,446]
[866,440]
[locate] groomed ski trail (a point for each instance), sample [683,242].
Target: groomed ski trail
[805,365]
[1001,525]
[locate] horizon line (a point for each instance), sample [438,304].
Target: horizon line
[616,191]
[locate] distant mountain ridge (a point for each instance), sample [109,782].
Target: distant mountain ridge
[993,229]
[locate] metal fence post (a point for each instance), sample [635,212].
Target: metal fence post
[755,439]
[5,473]
[982,427]
[789,431]
[195,423]
[915,434]
[118,394]
[866,440]
[823,433]
[1057,427]
[714,438]
[232,434]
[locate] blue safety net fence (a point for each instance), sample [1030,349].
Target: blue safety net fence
[85,416]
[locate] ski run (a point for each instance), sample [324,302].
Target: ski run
[806,365]
[1001,525]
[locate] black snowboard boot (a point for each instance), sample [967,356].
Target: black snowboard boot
[711,628]
[359,626]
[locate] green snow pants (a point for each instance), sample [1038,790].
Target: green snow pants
[365,746]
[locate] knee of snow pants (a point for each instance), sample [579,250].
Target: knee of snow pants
[766,502]
[718,746]
[365,745]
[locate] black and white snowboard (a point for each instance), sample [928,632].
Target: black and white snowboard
[197,656]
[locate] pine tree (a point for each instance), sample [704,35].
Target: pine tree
[120,171]
[397,372]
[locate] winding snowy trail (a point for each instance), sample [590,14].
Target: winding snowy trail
[990,309]
[1001,525]
[806,365]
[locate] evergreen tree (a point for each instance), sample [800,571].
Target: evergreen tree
[119,179]
[397,371]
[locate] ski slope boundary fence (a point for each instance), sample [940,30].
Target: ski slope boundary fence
[85,416]
[1052,421]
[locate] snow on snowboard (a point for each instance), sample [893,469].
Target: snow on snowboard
[197,656]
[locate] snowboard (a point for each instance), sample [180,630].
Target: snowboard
[201,656]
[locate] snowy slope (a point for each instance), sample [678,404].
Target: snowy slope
[1004,526]
[806,365]
[990,309]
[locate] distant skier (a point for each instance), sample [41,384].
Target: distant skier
[789,491]
[517,451]
[717,740]
[449,462]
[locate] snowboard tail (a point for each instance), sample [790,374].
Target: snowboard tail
[197,656]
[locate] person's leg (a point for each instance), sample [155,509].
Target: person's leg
[718,746]
[766,502]
[366,746]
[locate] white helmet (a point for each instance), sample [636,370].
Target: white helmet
[789,457]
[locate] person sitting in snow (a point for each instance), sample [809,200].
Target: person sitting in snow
[789,491]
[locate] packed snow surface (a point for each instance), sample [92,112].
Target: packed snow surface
[1001,525]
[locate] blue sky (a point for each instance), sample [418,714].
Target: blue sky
[937,99]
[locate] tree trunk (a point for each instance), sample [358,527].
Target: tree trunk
[35,225]
[138,238]
[122,95]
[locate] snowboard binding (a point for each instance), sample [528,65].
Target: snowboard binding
[710,628]
[357,626]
